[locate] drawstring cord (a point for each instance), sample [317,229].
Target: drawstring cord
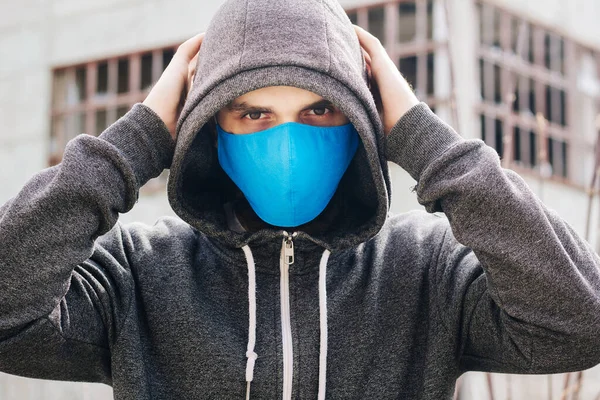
[252,356]
[323,323]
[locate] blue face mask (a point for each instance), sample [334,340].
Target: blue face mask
[289,172]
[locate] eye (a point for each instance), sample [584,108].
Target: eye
[321,111]
[254,115]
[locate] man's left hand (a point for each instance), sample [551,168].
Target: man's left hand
[395,93]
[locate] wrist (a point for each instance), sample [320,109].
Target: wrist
[156,105]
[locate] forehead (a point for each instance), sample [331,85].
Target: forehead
[276,96]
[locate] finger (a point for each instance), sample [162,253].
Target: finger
[366,56]
[190,47]
[191,72]
[190,80]
[193,63]
[367,41]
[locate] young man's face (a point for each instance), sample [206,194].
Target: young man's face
[273,105]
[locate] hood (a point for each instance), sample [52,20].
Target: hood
[309,44]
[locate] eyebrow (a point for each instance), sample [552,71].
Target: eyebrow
[244,107]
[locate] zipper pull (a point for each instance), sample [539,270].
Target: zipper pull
[288,250]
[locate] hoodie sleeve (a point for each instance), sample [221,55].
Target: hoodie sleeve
[64,294]
[515,285]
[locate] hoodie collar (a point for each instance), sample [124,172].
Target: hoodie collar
[233,223]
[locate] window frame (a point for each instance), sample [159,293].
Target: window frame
[557,74]
[422,46]
[92,102]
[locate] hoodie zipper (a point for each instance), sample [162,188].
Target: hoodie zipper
[286,324]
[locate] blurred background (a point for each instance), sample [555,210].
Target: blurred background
[524,76]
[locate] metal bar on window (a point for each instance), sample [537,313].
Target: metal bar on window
[524,92]
[113,76]
[135,75]
[60,133]
[71,100]
[488,79]
[508,140]
[157,66]
[508,86]
[391,26]
[555,97]
[526,30]
[542,140]
[90,88]
[555,105]
[525,145]
[362,17]
[538,46]
[570,104]
[487,24]
[490,131]
[506,32]
[557,160]
[422,75]
[421,23]
[555,59]
[540,87]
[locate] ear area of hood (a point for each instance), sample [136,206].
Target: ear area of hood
[371,177]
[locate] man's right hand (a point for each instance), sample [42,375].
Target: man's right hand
[168,94]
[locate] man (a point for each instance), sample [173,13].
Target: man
[285,276]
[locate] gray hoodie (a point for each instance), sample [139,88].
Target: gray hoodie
[377,306]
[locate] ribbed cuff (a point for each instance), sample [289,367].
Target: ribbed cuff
[418,138]
[144,141]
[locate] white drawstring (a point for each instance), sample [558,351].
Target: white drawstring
[323,324]
[250,354]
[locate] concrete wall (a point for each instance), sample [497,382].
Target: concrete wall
[37,35]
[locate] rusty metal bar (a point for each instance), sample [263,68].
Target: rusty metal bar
[135,75]
[391,26]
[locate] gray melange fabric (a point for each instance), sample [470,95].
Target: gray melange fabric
[414,300]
